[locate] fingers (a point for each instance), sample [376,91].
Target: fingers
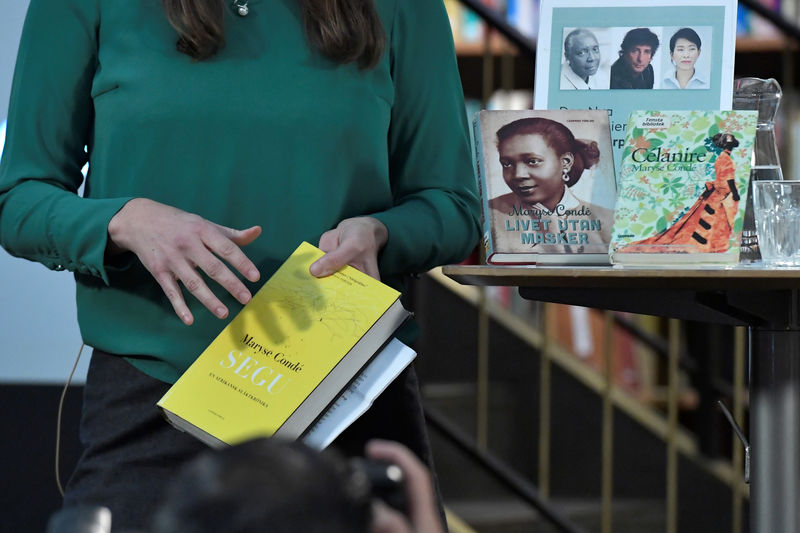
[345,255]
[325,265]
[170,287]
[418,480]
[227,247]
[168,273]
[176,246]
[387,520]
[356,242]
[329,240]
[333,260]
[195,284]
[246,236]
[348,253]
[208,256]
[418,485]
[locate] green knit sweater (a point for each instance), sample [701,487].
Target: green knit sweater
[266,132]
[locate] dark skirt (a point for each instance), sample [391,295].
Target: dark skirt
[131,453]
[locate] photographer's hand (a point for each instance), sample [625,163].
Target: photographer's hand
[422,511]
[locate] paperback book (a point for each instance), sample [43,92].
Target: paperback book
[360,394]
[281,363]
[684,180]
[547,185]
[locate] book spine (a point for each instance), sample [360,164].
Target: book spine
[789,11]
[471,26]
[742,21]
[454,13]
[480,172]
[524,15]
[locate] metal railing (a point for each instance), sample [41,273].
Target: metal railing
[679,441]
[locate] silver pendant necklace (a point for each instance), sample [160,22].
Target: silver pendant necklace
[241,7]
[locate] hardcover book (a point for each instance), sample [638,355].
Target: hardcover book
[622,55]
[547,185]
[684,179]
[286,357]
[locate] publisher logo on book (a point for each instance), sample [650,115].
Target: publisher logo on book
[653,123]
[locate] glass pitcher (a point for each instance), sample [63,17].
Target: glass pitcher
[763,96]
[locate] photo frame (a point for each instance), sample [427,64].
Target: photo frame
[610,21]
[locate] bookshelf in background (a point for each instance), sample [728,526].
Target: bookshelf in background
[636,368]
[753,31]
[469,30]
[752,26]
[761,51]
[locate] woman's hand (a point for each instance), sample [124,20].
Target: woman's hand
[356,242]
[172,244]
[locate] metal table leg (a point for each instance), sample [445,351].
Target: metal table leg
[775,431]
[773,316]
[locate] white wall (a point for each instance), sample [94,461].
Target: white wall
[39,336]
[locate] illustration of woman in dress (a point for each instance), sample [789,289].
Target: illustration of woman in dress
[708,224]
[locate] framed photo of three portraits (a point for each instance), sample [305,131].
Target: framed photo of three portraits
[623,55]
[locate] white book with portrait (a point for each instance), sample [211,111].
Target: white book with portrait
[547,185]
[625,55]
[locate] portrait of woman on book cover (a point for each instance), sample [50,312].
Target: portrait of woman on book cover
[708,224]
[542,163]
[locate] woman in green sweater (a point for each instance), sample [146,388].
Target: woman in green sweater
[216,142]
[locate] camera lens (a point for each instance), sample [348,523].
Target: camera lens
[386,480]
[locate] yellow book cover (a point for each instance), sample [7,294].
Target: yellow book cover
[286,356]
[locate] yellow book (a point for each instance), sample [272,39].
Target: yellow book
[286,356]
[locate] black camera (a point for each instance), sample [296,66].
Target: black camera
[386,480]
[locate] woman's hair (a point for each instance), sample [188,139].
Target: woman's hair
[266,485]
[724,140]
[342,30]
[684,33]
[558,137]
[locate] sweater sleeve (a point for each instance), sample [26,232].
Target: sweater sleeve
[42,217]
[435,217]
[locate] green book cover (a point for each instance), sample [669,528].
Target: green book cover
[683,187]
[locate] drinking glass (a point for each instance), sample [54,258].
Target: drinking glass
[776,206]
